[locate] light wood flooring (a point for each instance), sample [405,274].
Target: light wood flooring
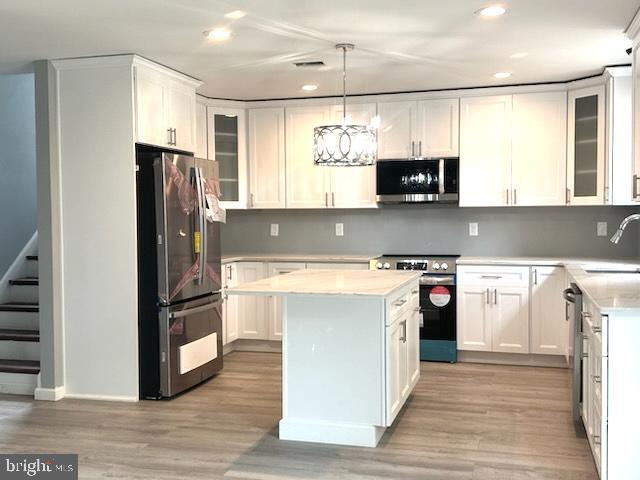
[464,421]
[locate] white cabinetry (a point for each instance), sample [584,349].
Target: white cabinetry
[165,108]
[230,306]
[493,309]
[485,151]
[427,128]
[227,145]
[539,149]
[586,146]
[252,310]
[636,119]
[267,183]
[274,327]
[549,334]
[337,266]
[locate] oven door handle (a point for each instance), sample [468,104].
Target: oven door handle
[433,280]
[441,176]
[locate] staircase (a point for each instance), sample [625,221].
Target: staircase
[19,335]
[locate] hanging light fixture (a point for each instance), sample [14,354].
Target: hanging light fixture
[344,145]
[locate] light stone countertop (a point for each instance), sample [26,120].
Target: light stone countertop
[329,282]
[302,258]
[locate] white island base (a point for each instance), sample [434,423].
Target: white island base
[350,358]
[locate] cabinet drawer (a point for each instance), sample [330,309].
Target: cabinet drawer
[494,276]
[399,304]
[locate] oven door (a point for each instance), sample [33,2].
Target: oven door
[438,307]
[424,180]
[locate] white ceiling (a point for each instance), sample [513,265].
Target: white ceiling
[400,45]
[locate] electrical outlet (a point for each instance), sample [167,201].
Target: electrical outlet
[275,229]
[339,229]
[602,229]
[473,229]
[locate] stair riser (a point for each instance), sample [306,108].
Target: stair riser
[23,293]
[30,269]
[19,320]
[18,383]
[11,350]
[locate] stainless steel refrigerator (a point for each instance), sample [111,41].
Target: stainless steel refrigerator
[179,298]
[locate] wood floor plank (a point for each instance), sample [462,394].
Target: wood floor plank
[463,422]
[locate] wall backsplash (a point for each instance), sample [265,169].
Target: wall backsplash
[433,229]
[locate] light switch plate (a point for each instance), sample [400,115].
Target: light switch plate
[473,229]
[602,229]
[275,229]
[339,229]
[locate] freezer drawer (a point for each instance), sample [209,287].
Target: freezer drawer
[190,344]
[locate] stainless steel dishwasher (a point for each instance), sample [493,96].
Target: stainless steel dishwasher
[573,299]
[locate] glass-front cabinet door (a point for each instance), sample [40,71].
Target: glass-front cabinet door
[227,145]
[586,146]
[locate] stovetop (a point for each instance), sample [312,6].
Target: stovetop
[434,264]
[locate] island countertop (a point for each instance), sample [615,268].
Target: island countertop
[329,282]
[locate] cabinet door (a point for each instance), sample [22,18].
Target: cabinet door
[307,185]
[438,131]
[510,320]
[354,187]
[397,386]
[230,307]
[413,347]
[636,123]
[485,151]
[585,147]
[548,322]
[619,139]
[252,310]
[181,116]
[275,303]
[266,158]
[227,145]
[201,131]
[150,91]
[398,128]
[539,149]
[474,318]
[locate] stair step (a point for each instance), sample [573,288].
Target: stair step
[20,366]
[32,257]
[24,281]
[19,307]
[16,335]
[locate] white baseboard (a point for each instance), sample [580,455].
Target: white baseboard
[247,345]
[49,394]
[106,398]
[336,434]
[521,359]
[18,383]
[16,268]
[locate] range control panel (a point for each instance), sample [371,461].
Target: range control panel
[439,264]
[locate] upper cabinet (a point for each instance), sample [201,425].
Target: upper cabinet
[485,151]
[586,146]
[633,32]
[427,128]
[267,184]
[513,150]
[165,109]
[227,145]
[538,149]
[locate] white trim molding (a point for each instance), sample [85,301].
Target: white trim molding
[106,398]
[633,29]
[49,394]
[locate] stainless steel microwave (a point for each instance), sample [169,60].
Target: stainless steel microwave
[424,180]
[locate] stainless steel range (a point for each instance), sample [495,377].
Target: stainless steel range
[437,301]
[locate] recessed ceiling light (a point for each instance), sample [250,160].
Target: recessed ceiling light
[491,11]
[502,75]
[218,34]
[519,55]
[310,87]
[236,14]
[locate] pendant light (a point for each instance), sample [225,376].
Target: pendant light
[344,145]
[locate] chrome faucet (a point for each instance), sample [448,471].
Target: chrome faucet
[618,235]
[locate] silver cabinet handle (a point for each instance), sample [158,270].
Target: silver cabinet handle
[420,148]
[515,198]
[403,338]
[535,277]
[568,196]
[413,292]
[175,137]
[635,186]
[596,439]
[399,303]
[585,314]
[585,355]
[596,329]
[170,133]
[507,190]
[333,199]
[488,297]
[493,277]
[251,200]
[495,296]
[326,199]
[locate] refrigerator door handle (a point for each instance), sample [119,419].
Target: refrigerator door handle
[205,230]
[191,311]
[202,222]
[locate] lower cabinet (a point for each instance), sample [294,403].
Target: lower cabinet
[274,327]
[252,310]
[230,305]
[509,309]
[403,356]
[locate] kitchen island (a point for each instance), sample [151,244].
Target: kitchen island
[350,353]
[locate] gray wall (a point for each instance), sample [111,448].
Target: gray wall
[435,229]
[18,213]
